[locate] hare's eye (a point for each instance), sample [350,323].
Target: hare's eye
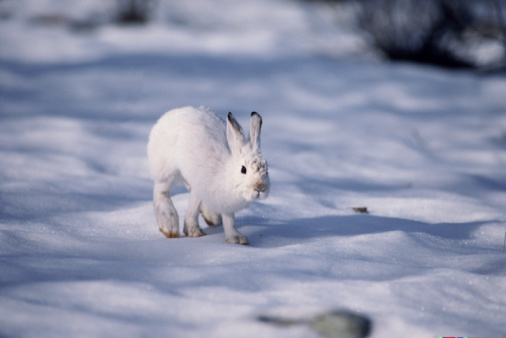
[243,170]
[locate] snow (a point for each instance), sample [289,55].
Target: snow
[422,148]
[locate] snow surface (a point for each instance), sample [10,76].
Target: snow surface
[80,253]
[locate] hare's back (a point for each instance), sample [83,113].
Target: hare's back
[201,146]
[186,137]
[200,127]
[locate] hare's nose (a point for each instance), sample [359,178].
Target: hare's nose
[260,187]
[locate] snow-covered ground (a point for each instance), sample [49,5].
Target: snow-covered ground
[80,252]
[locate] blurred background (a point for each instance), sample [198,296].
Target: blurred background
[445,33]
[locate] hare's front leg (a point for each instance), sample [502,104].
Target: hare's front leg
[191,219]
[231,234]
[166,214]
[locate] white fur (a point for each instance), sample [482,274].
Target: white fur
[194,146]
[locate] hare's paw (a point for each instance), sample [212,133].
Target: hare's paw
[193,231]
[168,223]
[166,215]
[210,216]
[170,233]
[237,239]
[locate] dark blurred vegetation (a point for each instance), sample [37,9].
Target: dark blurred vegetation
[438,32]
[134,11]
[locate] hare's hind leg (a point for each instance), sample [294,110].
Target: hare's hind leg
[166,214]
[210,216]
[191,220]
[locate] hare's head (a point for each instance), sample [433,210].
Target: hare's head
[249,169]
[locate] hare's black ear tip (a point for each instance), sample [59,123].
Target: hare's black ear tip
[254,113]
[230,116]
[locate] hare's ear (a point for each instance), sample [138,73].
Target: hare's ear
[254,131]
[235,135]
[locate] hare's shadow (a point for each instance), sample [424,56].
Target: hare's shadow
[269,233]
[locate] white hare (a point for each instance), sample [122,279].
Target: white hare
[223,171]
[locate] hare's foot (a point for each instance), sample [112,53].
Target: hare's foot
[191,221]
[193,231]
[166,215]
[237,239]
[170,234]
[168,223]
[210,216]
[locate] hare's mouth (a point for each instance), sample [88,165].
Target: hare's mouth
[260,194]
